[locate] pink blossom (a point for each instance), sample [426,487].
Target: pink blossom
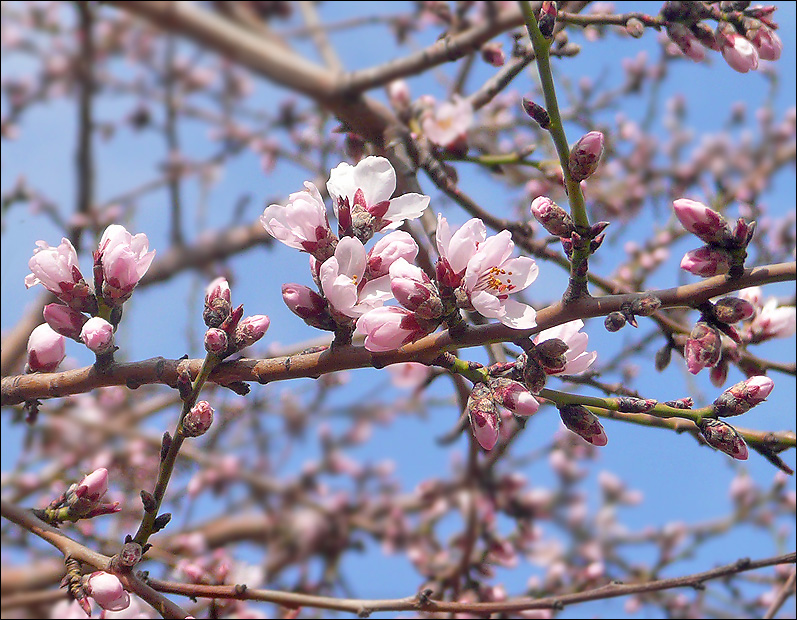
[64,320]
[46,349]
[388,327]
[398,91]
[57,269]
[491,276]
[767,43]
[686,41]
[94,485]
[198,420]
[389,248]
[216,341]
[124,259]
[302,223]
[578,359]
[414,290]
[97,335]
[701,221]
[457,248]
[737,51]
[706,262]
[773,321]
[367,188]
[218,289]
[107,590]
[448,123]
[342,280]
[408,374]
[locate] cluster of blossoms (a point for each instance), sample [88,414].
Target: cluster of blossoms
[742,37]
[474,272]
[120,261]
[725,248]
[228,332]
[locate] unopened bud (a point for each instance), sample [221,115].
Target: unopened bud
[703,348]
[663,357]
[645,305]
[493,54]
[703,222]
[553,218]
[723,437]
[743,233]
[216,341]
[707,261]
[97,335]
[483,415]
[514,396]
[635,28]
[614,321]
[627,404]
[217,302]
[585,156]
[64,320]
[533,373]
[308,305]
[161,521]
[197,421]
[547,19]
[551,354]
[130,555]
[681,403]
[584,423]
[733,309]
[537,113]
[743,396]
[250,330]
[420,297]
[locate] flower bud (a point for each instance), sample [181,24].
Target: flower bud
[308,305]
[724,437]
[97,335]
[635,28]
[533,373]
[743,232]
[547,19]
[737,51]
[627,404]
[703,347]
[217,302]
[743,396]
[703,222]
[585,156]
[733,309]
[87,494]
[663,357]
[707,261]
[250,330]
[46,349]
[198,420]
[514,396]
[64,320]
[493,54]
[107,591]
[216,341]
[537,113]
[551,354]
[614,321]
[413,289]
[767,43]
[553,218]
[584,423]
[681,403]
[483,416]
[645,305]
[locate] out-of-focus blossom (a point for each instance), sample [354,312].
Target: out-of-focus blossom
[97,335]
[342,280]
[46,349]
[686,41]
[125,259]
[738,52]
[773,321]
[492,275]
[448,123]
[361,197]
[706,261]
[388,327]
[577,356]
[408,374]
[302,223]
[107,591]
[398,91]
[767,43]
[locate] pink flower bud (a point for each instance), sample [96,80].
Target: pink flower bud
[46,349]
[124,260]
[768,43]
[583,423]
[308,305]
[701,221]
[64,320]
[414,290]
[386,251]
[97,335]
[387,328]
[773,321]
[733,309]
[398,91]
[552,217]
[198,420]
[514,396]
[493,54]
[58,270]
[706,262]
[107,590]
[94,485]
[703,348]
[483,415]
[250,330]
[686,41]
[737,51]
[216,341]
[743,396]
[724,437]
[585,156]
[218,289]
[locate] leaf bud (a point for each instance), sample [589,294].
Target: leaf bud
[724,437]
[614,321]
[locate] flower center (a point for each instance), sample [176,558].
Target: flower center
[496,280]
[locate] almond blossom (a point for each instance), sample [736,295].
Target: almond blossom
[361,198]
[389,327]
[343,283]
[58,270]
[124,259]
[457,248]
[447,124]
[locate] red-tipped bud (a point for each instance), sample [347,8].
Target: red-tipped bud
[703,347]
[46,349]
[583,423]
[97,335]
[64,320]
[743,232]
[493,54]
[585,156]
[705,223]
[483,415]
[250,330]
[553,218]
[217,302]
[216,341]
[707,261]
[514,396]
[681,403]
[198,420]
[743,396]
[547,19]
[724,437]
[733,309]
